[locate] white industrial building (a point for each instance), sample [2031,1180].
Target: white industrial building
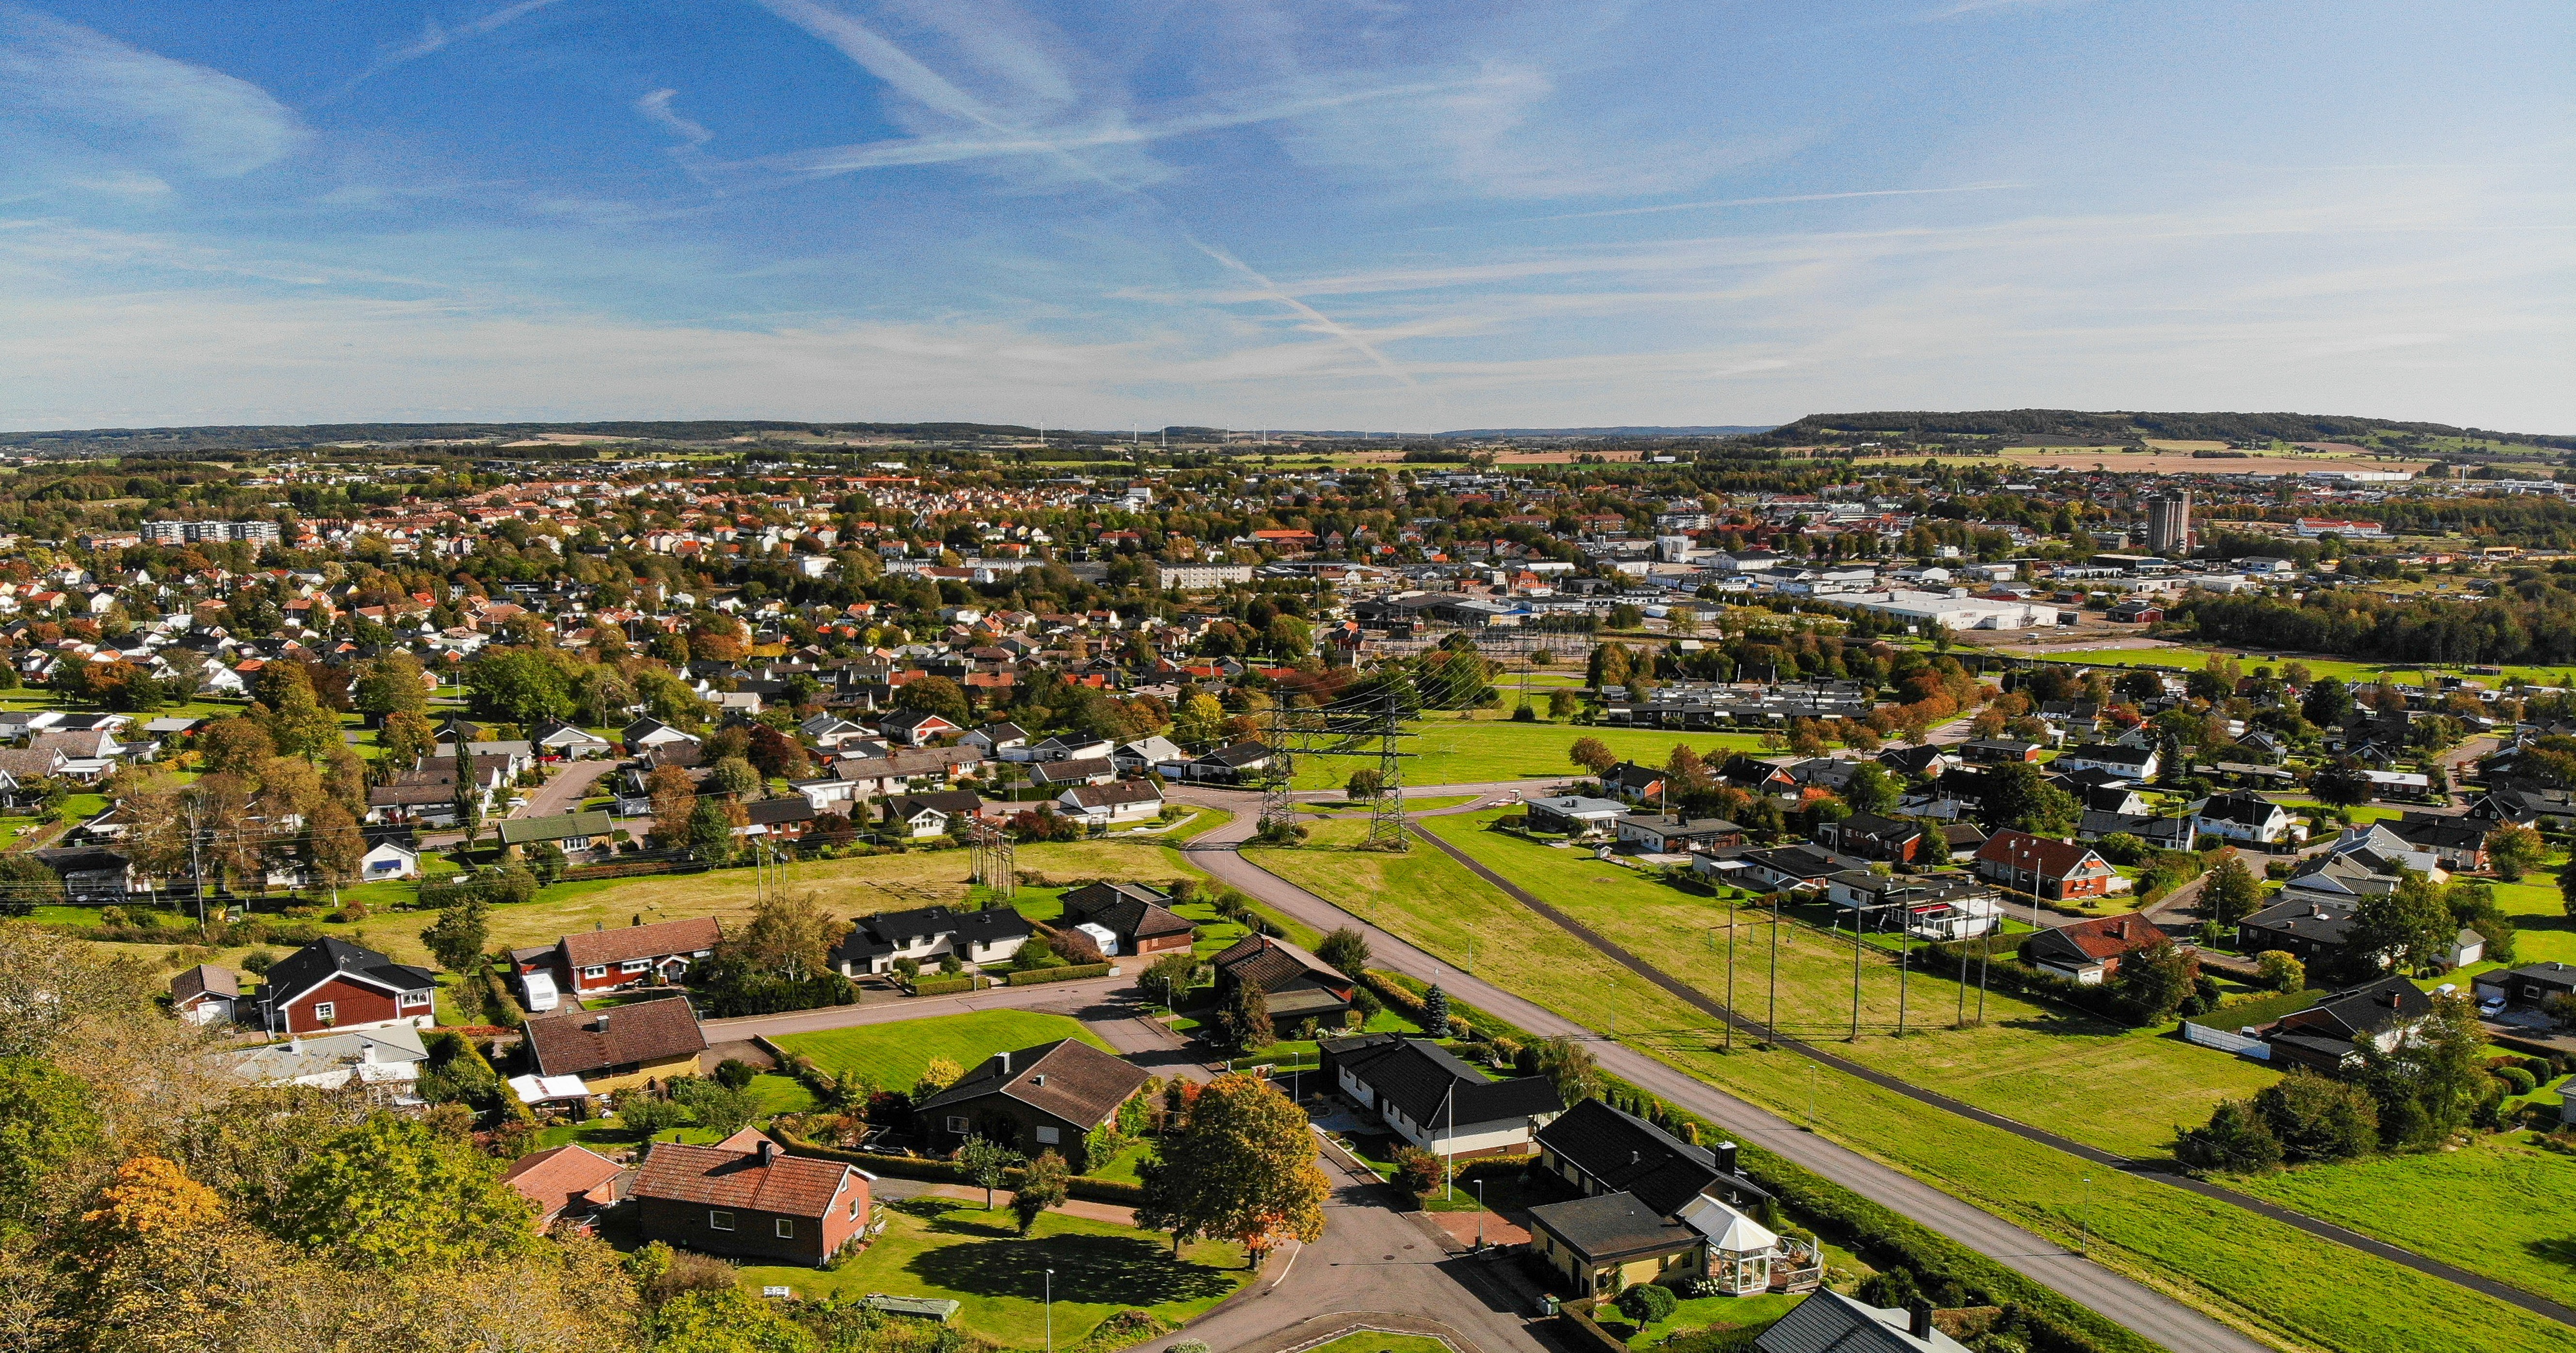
[1956,610]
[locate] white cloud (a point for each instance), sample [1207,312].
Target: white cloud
[656,107]
[80,85]
[437,37]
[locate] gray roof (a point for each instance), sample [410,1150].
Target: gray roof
[1611,1225]
[1829,1322]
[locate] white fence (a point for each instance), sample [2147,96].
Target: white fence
[2226,1041]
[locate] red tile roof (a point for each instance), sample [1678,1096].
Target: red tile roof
[590,948]
[794,1186]
[2039,854]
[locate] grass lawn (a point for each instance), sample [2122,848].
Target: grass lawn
[938,1247]
[2308,1289]
[1123,1166]
[893,1055]
[1696,1314]
[1348,808]
[1371,1341]
[1455,750]
[2497,1206]
[2543,931]
[2405,674]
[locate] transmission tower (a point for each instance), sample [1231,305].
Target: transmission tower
[1374,729]
[1386,820]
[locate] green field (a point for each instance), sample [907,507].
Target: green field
[1454,750]
[1696,1314]
[777,1094]
[2497,1206]
[1370,1341]
[939,1247]
[2117,1088]
[893,1055]
[2299,1286]
[2191,656]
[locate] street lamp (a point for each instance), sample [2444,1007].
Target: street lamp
[1480,1214]
[1050,1310]
[2084,1220]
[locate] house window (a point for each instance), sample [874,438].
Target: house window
[415,998]
[633,965]
[856,1205]
[957,1123]
[326,1012]
[719,1221]
[1048,1136]
[600,971]
[786,1228]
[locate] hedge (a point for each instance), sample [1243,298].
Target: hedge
[1086,1187]
[1068,973]
[2056,1324]
[942,986]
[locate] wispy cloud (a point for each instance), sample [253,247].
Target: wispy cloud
[656,106]
[1774,201]
[437,37]
[124,100]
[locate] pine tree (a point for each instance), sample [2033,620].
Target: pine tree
[1435,1012]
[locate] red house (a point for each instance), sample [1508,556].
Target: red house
[2047,868]
[760,1204]
[602,960]
[333,984]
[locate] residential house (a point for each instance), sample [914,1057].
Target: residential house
[1231,764]
[932,813]
[1105,805]
[90,873]
[2322,1037]
[1657,834]
[1433,1100]
[393,852]
[205,994]
[588,961]
[1829,1322]
[2250,818]
[1090,770]
[642,1044]
[746,1199]
[567,1183]
[1656,1209]
[1794,868]
[332,984]
[2310,929]
[386,1062]
[914,727]
[555,739]
[2089,952]
[1138,917]
[1995,751]
[2178,832]
[2120,759]
[928,934]
[1574,814]
[1045,1098]
[1299,986]
[2459,843]
[573,833]
[2527,987]
[1942,906]
[781,819]
[646,734]
[2056,870]
[1629,782]
[1142,755]
[998,740]
[1872,837]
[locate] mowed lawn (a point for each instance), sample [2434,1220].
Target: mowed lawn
[891,1056]
[1370,1341]
[979,1260]
[2497,1206]
[2316,1291]
[2342,669]
[1489,745]
[2103,1084]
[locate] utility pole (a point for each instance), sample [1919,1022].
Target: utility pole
[1904,951]
[1855,1018]
[1730,972]
[1771,1017]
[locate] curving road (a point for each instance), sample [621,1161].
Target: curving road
[2140,1308]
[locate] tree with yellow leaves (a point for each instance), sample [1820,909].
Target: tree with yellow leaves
[1242,1165]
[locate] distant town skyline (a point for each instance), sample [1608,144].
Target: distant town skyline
[1318,215]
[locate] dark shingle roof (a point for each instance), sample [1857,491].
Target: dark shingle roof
[1131,909]
[1068,1078]
[574,1042]
[1433,1087]
[1276,964]
[794,1186]
[1625,1152]
[585,948]
[1611,1225]
[330,955]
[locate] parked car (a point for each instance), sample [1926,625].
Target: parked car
[2491,1007]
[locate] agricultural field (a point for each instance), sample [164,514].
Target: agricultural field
[2343,669]
[1453,750]
[892,1055]
[2303,1289]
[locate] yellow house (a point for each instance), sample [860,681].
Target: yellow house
[644,1043]
[1604,1244]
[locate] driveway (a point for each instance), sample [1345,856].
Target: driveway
[566,789]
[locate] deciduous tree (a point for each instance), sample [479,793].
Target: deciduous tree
[1241,1164]
[392,1193]
[1042,1186]
[2230,894]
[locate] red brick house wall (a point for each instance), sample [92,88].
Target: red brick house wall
[755,1234]
[1162,944]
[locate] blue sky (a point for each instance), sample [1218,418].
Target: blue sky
[1318,213]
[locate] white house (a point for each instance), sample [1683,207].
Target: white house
[390,857]
[1118,801]
[1435,1101]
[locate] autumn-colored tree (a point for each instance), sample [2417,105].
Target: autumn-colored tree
[790,936]
[336,844]
[2231,893]
[1242,1165]
[392,1192]
[238,744]
[1592,754]
[406,737]
[675,801]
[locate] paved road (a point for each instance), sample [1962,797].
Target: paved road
[2150,1313]
[565,791]
[882,1008]
[1373,1259]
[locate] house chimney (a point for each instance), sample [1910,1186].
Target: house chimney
[602,1024]
[1636,1156]
[1002,1062]
[1726,1157]
[1919,1319]
[768,1151]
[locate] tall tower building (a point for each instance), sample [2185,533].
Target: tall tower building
[2169,522]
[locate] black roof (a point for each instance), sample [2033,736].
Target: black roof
[1433,1087]
[2372,1006]
[2322,922]
[330,955]
[888,930]
[1611,1226]
[1622,1151]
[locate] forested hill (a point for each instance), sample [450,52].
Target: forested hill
[2096,429]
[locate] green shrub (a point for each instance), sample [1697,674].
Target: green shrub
[2517,1081]
[1067,973]
[1646,1303]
